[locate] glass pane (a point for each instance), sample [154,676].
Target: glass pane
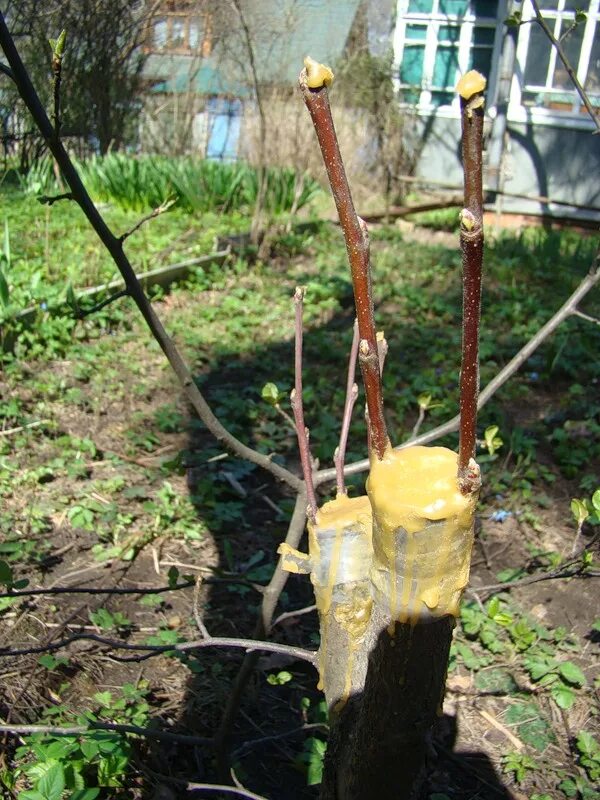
[481,60]
[194,37]
[411,69]
[592,82]
[410,96]
[159,34]
[538,58]
[574,5]
[484,36]
[448,33]
[459,7]
[446,66]
[178,33]
[572,47]
[442,98]
[420,6]
[416,33]
[485,8]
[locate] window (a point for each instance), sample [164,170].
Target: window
[160,34]
[180,33]
[546,83]
[437,41]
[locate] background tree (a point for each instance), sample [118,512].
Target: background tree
[103,62]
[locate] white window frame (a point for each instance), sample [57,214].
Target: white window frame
[433,21]
[572,118]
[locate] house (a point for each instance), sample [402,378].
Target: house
[539,141]
[539,147]
[205,63]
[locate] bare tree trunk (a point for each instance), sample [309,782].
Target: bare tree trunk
[378,740]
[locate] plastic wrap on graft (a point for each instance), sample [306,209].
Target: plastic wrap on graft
[422,533]
[340,546]
[341,552]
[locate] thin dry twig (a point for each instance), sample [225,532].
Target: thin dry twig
[94,727]
[339,456]
[196,606]
[164,206]
[224,789]
[298,406]
[21,428]
[292,614]
[357,246]
[95,590]
[151,650]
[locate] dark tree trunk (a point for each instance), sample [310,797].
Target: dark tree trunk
[378,740]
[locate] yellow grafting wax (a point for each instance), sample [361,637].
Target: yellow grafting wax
[317,75]
[422,532]
[471,83]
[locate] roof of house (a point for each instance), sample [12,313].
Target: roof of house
[283,32]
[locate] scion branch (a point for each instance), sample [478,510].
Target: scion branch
[357,246]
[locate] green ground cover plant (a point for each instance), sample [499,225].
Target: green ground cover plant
[112,488]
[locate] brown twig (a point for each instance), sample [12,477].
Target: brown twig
[115,247]
[164,206]
[224,789]
[357,245]
[339,457]
[586,317]
[566,63]
[93,590]
[292,614]
[156,649]
[470,88]
[298,406]
[78,730]
[49,200]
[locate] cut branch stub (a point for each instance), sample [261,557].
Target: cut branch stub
[470,88]
[313,84]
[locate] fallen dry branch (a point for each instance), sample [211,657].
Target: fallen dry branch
[151,650]
[94,727]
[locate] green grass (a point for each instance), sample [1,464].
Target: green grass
[235,326]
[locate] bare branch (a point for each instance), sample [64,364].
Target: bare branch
[587,317]
[292,614]
[115,248]
[82,313]
[6,71]
[20,428]
[164,206]
[351,395]
[567,64]
[357,245]
[470,87]
[156,649]
[49,200]
[298,407]
[94,590]
[224,789]
[93,727]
